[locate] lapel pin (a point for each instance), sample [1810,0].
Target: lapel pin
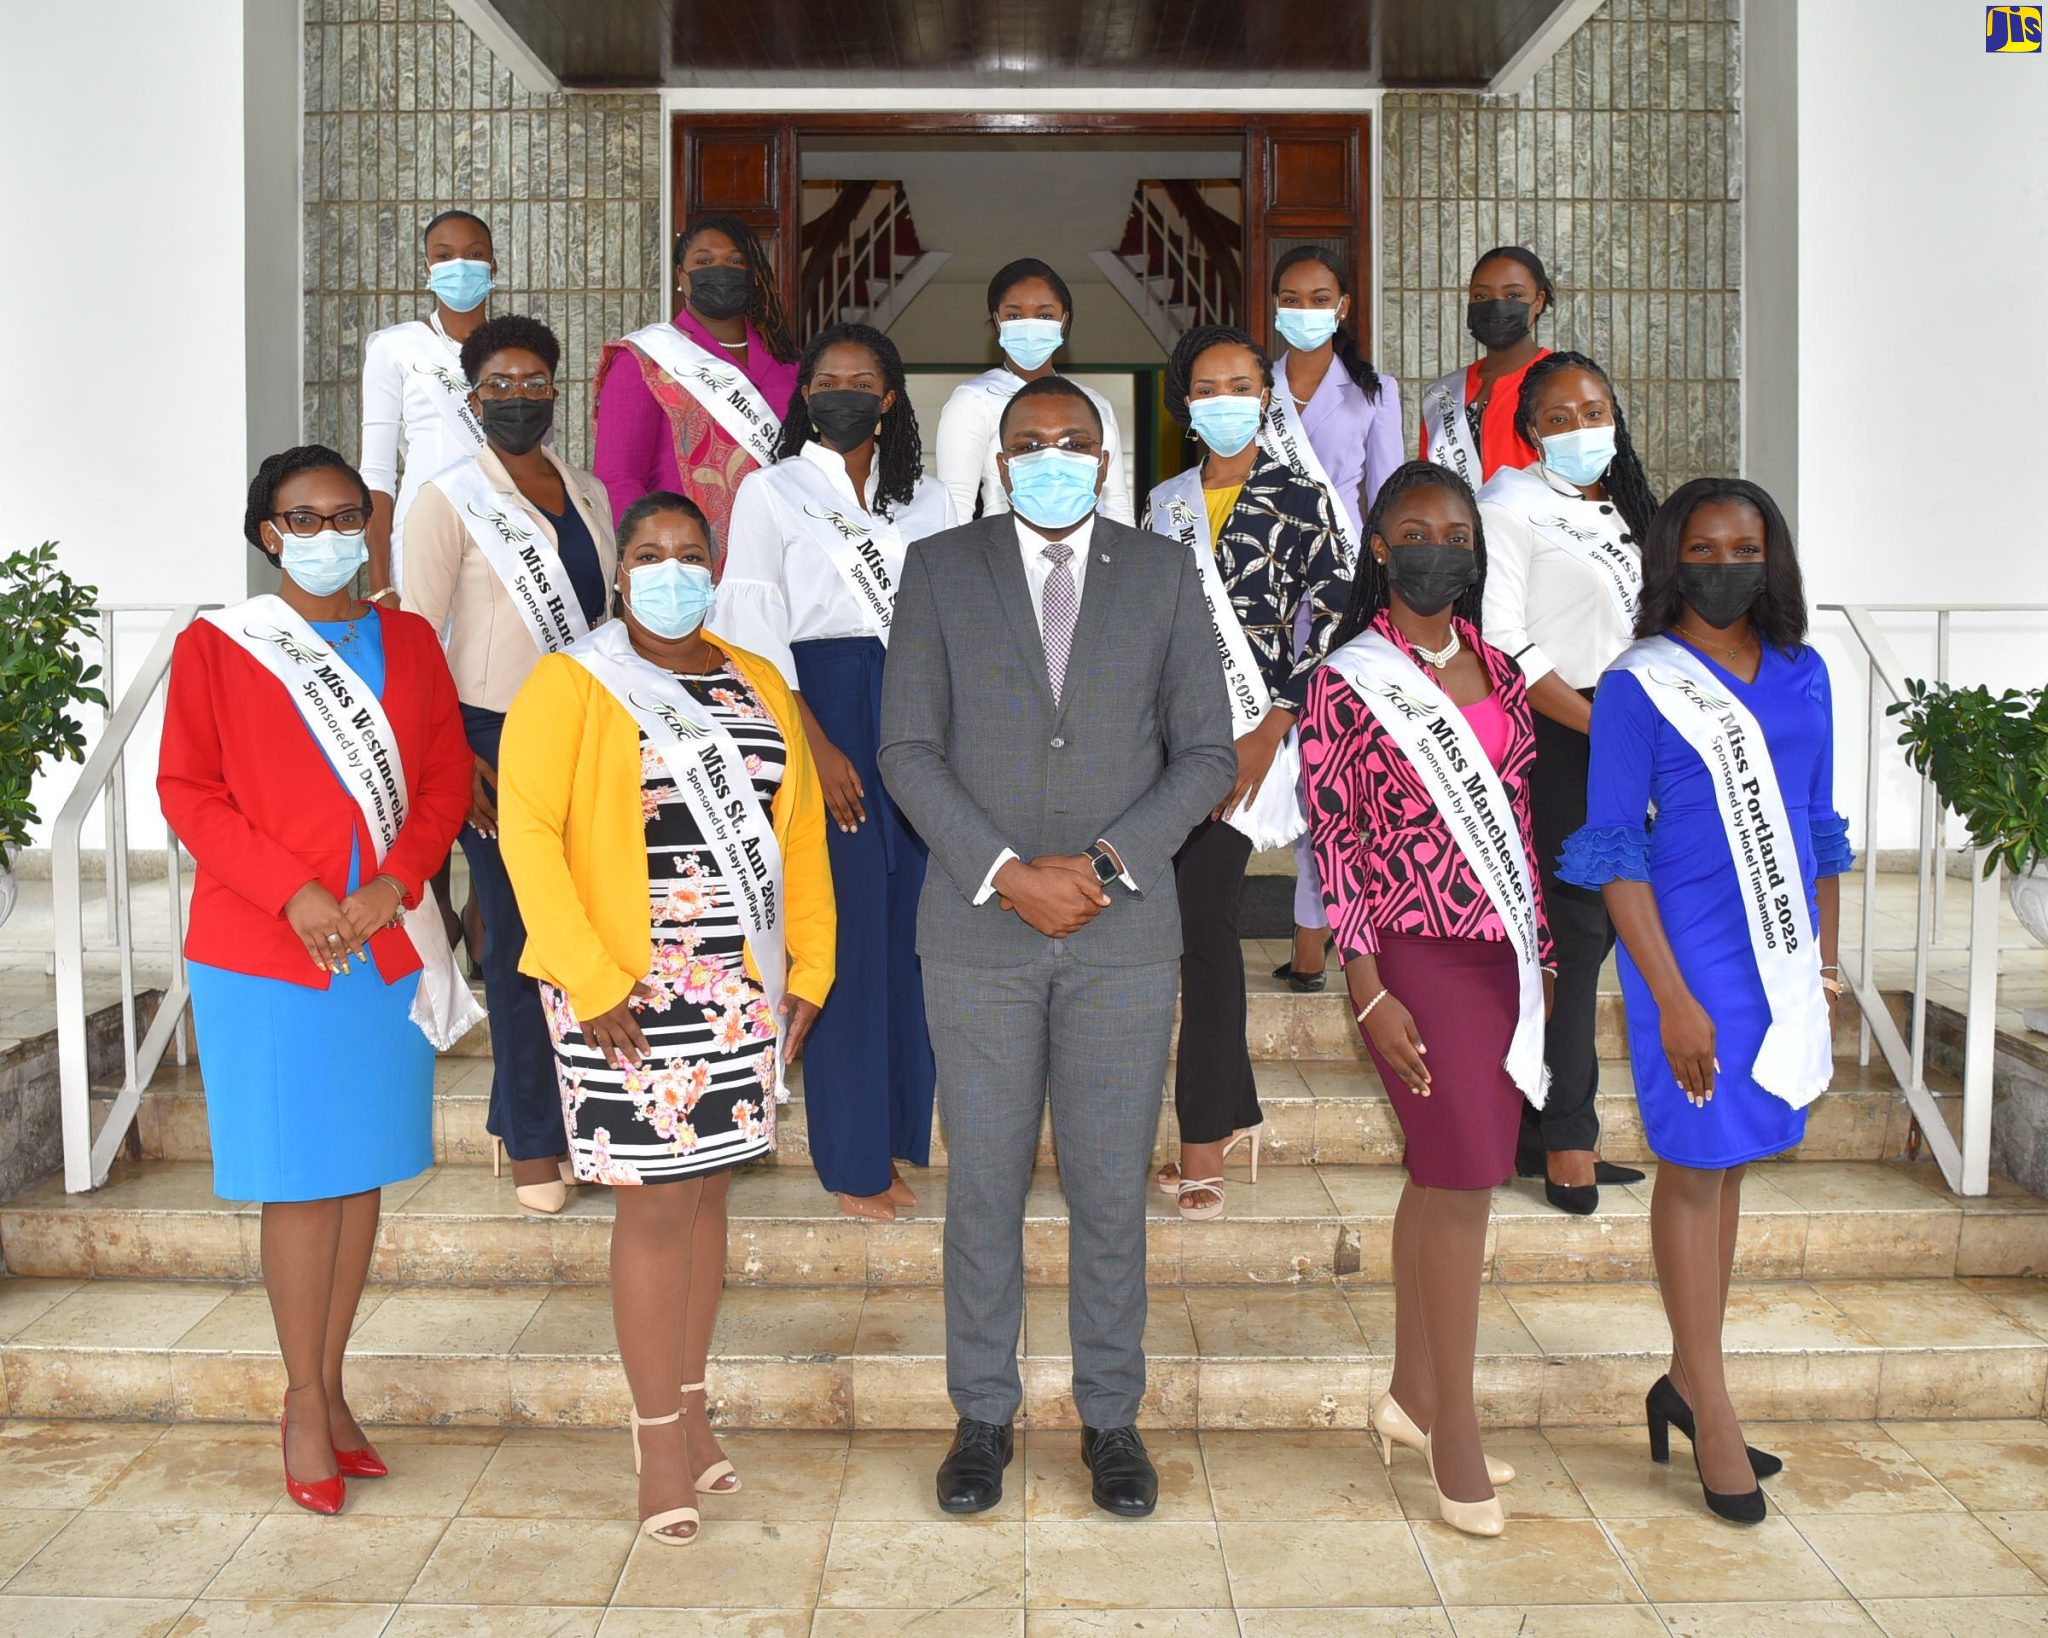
[1103,557]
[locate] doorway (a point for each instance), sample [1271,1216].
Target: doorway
[1158,222]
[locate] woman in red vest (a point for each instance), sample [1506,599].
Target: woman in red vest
[1468,416]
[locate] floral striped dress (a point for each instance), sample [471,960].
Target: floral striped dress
[703,1099]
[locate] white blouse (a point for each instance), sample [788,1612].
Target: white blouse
[1547,608]
[968,439]
[780,585]
[405,415]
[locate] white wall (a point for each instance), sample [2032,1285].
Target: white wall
[145,294]
[1920,397]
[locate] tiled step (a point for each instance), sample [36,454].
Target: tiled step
[1307,1357]
[1326,1113]
[459,1226]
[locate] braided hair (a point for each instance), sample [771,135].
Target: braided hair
[270,478]
[764,311]
[1626,483]
[1344,341]
[1369,584]
[899,452]
[1180,368]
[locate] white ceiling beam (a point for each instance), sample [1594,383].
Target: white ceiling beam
[1540,47]
[485,22]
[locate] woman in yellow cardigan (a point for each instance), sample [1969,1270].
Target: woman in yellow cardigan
[662,823]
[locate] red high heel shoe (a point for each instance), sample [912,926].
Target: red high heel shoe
[322,1495]
[361,1464]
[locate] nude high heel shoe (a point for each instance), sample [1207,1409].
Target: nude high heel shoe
[547,1198]
[717,1470]
[1392,1426]
[657,1526]
[1480,1518]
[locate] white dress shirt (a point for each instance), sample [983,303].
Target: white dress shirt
[780,585]
[970,429]
[403,416]
[1037,571]
[1546,608]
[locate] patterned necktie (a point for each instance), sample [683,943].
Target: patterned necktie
[1062,605]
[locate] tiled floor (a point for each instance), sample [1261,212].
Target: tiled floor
[1907,1528]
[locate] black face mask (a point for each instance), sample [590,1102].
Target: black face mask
[1497,323]
[721,292]
[1430,578]
[1720,593]
[515,425]
[845,419]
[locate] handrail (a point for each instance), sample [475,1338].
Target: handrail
[824,240]
[86,1161]
[1965,1165]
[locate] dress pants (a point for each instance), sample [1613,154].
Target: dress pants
[1214,1093]
[526,1100]
[868,1062]
[1093,1040]
[1582,936]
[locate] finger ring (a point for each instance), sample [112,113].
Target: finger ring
[333,938]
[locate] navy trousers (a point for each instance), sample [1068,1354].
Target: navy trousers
[867,1065]
[526,1103]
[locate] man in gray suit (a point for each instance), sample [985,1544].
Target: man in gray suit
[1054,724]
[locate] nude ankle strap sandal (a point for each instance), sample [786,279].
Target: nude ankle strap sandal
[658,1526]
[717,1471]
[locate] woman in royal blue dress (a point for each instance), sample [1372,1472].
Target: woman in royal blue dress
[1718,721]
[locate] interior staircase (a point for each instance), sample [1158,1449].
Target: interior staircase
[862,260]
[1862,1288]
[1179,263]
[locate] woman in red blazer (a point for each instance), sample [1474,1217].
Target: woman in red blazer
[313,763]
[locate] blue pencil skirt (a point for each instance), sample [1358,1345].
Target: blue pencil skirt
[311,1094]
[867,1066]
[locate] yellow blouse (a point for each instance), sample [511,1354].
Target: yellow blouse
[1220,503]
[575,842]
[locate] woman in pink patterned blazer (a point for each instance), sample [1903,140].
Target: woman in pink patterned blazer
[1416,748]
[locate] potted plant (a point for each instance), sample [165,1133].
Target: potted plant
[1988,757]
[44,615]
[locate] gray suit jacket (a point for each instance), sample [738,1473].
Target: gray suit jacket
[976,754]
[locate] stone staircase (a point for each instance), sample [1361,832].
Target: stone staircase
[1862,1287]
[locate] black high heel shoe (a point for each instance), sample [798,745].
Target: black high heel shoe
[1665,1408]
[1745,1507]
[1306,983]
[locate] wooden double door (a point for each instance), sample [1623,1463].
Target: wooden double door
[1305,179]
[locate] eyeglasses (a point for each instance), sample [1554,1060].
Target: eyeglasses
[304,522]
[1075,443]
[506,386]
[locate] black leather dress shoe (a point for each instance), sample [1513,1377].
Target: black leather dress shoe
[1579,1199]
[971,1476]
[1126,1483]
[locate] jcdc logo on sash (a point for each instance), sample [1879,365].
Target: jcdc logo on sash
[2012,28]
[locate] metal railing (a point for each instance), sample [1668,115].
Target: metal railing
[105,775]
[862,277]
[1966,1164]
[1166,272]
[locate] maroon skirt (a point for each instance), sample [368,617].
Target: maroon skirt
[1465,995]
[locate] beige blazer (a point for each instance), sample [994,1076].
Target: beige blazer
[452,584]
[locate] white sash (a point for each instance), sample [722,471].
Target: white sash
[866,549]
[1796,1060]
[428,358]
[1594,540]
[348,723]
[1438,742]
[1284,435]
[519,554]
[711,773]
[722,388]
[1273,817]
[1450,435]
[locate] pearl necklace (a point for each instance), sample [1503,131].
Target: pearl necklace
[1439,658]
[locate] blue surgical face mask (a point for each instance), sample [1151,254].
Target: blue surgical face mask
[1225,424]
[1030,342]
[323,563]
[464,286]
[1306,328]
[1053,488]
[1581,455]
[670,598]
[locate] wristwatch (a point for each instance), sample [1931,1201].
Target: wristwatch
[1104,863]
